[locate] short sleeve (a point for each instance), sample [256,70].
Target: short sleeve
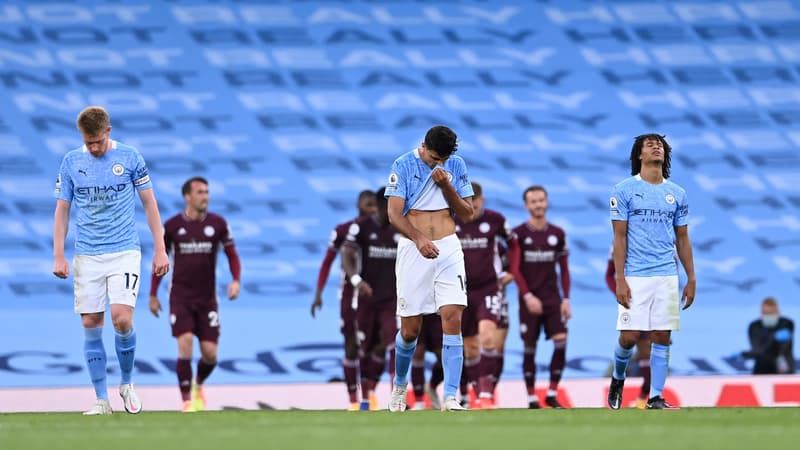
[64,186]
[681,211]
[353,233]
[140,176]
[461,179]
[618,204]
[397,185]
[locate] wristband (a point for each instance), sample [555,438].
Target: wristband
[355,280]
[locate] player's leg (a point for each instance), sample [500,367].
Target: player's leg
[555,330]
[207,329]
[433,326]
[368,337]
[643,353]
[405,346]
[183,368]
[630,322]
[418,373]
[501,334]
[123,289]
[452,354]
[472,354]
[529,328]
[665,317]
[488,318]
[90,302]
[350,361]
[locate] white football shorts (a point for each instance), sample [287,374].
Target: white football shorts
[425,285]
[655,305]
[115,276]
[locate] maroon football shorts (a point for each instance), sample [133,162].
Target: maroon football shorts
[483,303]
[377,324]
[198,318]
[530,325]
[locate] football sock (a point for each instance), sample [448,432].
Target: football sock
[437,374]
[418,378]
[659,360]
[95,354]
[472,371]
[644,370]
[350,368]
[557,362]
[404,351]
[183,369]
[621,358]
[125,344]
[204,369]
[529,369]
[488,368]
[452,360]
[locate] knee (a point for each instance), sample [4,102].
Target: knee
[122,322]
[409,335]
[351,350]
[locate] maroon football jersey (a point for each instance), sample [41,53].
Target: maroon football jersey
[377,246]
[194,246]
[540,250]
[338,238]
[479,242]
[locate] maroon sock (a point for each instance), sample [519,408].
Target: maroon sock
[350,368]
[499,369]
[183,368]
[418,378]
[472,370]
[437,374]
[368,371]
[529,370]
[487,368]
[644,369]
[557,362]
[204,369]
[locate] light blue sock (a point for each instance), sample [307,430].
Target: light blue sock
[453,362]
[621,358]
[95,354]
[659,361]
[403,352]
[125,344]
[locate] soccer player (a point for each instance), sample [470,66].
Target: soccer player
[372,242]
[504,278]
[542,246]
[642,344]
[479,323]
[649,214]
[101,179]
[194,238]
[366,206]
[425,185]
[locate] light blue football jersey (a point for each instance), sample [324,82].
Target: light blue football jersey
[410,176]
[103,192]
[652,211]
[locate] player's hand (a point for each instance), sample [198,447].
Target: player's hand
[233,290]
[364,289]
[688,293]
[317,304]
[566,311]
[440,177]
[155,305]
[427,248]
[505,280]
[623,293]
[160,263]
[60,267]
[533,303]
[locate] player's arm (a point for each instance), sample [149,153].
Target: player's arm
[425,246]
[235,266]
[349,265]
[160,260]
[532,302]
[322,278]
[461,206]
[610,281]
[155,280]
[60,227]
[620,253]
[563,269]
[684,247]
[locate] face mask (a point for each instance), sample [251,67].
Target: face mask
[769,320]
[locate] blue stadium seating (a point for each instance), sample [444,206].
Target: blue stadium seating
[291,108]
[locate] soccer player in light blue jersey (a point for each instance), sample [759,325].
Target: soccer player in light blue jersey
[650,215]
[101,179]
[426,186]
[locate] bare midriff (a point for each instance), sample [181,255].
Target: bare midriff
[434,225]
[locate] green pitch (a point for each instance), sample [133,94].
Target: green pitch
[584,429]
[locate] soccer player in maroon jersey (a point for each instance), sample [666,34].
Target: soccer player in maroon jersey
[372,241]
[366,206]
[194,237]
[479,240]
[542,246]
[642,343]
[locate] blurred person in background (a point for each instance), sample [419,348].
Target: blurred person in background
[771,341]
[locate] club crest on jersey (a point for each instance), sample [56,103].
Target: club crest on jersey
[528,240]
[552,240]
[670,199]
[208,230]
[484,227]
[117,169]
